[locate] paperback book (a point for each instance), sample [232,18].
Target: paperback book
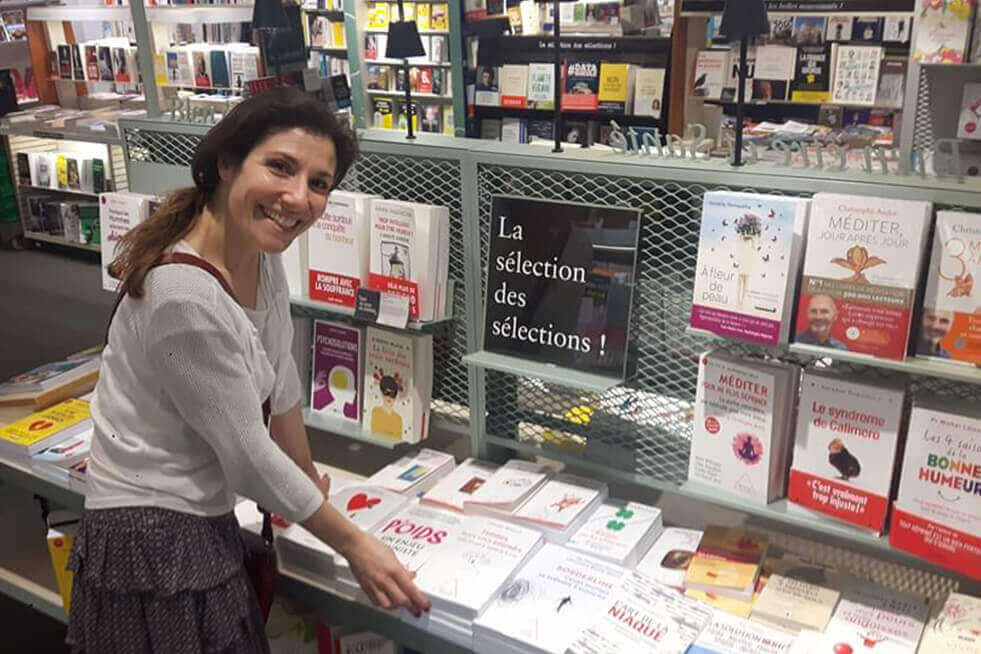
[793,604]
[892,84]
[743,428]
[727,562]
[729,634]
[668,559]
[48,377]
[44,429]
[509,487]
[860,273]
[339,249]
[616,87]
[561,506]
[412,475]
[488,90]
[641,615]
[867,29]
[581,85]
[856,73]
[937,513]
[942,34]
[398,384]
[410,255]
[957,628]
[749,257]
[839,28]
[648,92]
[416,533]
[367,506]
[848,433]
[543,608]
[541,86]
[812,77]
[338,369]
[873,619]
[460,485]
[118,213]
[711,73]
[773,72]
[970,117]
[514,86]
[619,532]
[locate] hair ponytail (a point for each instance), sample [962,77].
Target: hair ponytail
[246,125]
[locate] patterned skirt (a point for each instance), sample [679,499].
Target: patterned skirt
[150,580]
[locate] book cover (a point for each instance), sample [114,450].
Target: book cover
[484,554]
[460,485]
[60,541]
[507,488]
[397,384]
[812,79]
[243,66]
[78,69]
[65,61]
[860,273]
[773,71]
[648,92]
[957,628]
[45,428]
[49,375]
[873,619]
[336,34]
[439,17]
[616,532]
[409,473]
[377,78]
[711,72]
[541,86]
[337,370]
[514,86]
[581,85]
[91,63]
[338,247]
[118,213]
[669,557]
[513,130]
[120,66]
[422,16]
[742,426]
[942,32]
[409,255]
[61,171]
[749,258]
[375,46]
[839,28]
[856,74]
[366,506]
[378,16]
[381,113]
[896,29]
[561,502]
[950,327]
[970,116]
[727,561]
[892,84]
[547,602]
[219,69]
[729,634]
[416,533]
[937,513]
[809,30]
[867,29]
[641,615]
[106,73]
[616,87]
[795,603]
[488,90]
[432,118]
[846,446]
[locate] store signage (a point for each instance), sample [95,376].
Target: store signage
[560,282]
[208,112]
[879,7]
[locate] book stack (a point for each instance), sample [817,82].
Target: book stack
[507,489]
[398,384]
[44,429]
[412,475]
[957,628]
[744,424]
[872,619]
[118,213]
[338,370]
[619,532]
[560,507]
[51,382]
[643,616]
[669,557]
[846,448]
[459,485]
[727,562]
[791,603]
[68,459]
[749,258]
[416,533]
[860,273]
[462,579]
[339,249]
[410,255]
[937,513]
[543,608]
[729,634]
[950,327]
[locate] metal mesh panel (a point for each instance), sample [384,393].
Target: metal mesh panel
[439,182]
[148,146]
[644,425]
[923,122]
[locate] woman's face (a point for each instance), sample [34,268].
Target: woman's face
[281,187]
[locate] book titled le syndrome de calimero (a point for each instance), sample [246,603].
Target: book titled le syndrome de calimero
[846,447]
[749,252]
[398,384]
[861,269]
[937,513]
[410,254]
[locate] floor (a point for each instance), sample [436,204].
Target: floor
[54,305]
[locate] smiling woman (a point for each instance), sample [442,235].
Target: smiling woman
[197,373]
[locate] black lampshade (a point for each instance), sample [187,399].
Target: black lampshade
[269,15]
[744,18]
[403,40]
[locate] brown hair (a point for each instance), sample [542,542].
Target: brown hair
[245,126]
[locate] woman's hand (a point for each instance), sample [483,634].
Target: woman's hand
[383,578]
[323,483]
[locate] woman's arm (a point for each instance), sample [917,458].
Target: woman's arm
[289,432]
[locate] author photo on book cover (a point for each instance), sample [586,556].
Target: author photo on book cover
[822,312]
[199,401]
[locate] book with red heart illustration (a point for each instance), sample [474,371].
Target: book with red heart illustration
[727,562]
[367,506]
[458,486]
[620,532]
[874,619]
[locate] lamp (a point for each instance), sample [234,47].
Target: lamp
[269,17]
[404,42]
[742,19]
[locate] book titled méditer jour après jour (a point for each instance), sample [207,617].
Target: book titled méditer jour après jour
[861,269]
